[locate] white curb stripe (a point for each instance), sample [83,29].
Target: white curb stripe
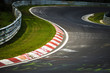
[52,45]
[33,55]
[19,58]
[57,39]
[60,32]
[27,56]
[40,50]
[38,53]
[6,61]
[55,42]
[59,36]
[47,48]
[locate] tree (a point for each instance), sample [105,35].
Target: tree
[4,6]
[102,1]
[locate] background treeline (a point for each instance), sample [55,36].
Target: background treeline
[102,1]
[4,6]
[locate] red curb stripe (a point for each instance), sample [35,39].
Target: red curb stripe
[58,29]
[56,40]
[49,46]
[35,53]
[38,53]
[1,64]
[14,60]
[26,56]
[59,35]
[44,49]
[53,43]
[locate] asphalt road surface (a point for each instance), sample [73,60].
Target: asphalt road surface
[87,50]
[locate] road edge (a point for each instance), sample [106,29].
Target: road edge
[85,18]
[48,49]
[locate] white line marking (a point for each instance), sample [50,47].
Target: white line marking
[69,50]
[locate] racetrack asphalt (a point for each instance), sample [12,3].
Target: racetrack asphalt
[87,50]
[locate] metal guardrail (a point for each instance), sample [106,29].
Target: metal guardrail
[8,32]
[57,2]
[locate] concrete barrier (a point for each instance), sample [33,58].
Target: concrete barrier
[106,18]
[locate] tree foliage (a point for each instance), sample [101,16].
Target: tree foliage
[4,6]
[102,1]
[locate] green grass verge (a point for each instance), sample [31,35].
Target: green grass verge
[6,18]
[97,17]
[33,34]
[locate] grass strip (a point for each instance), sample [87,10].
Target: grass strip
[33,34]
[6,18]
[96,17]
